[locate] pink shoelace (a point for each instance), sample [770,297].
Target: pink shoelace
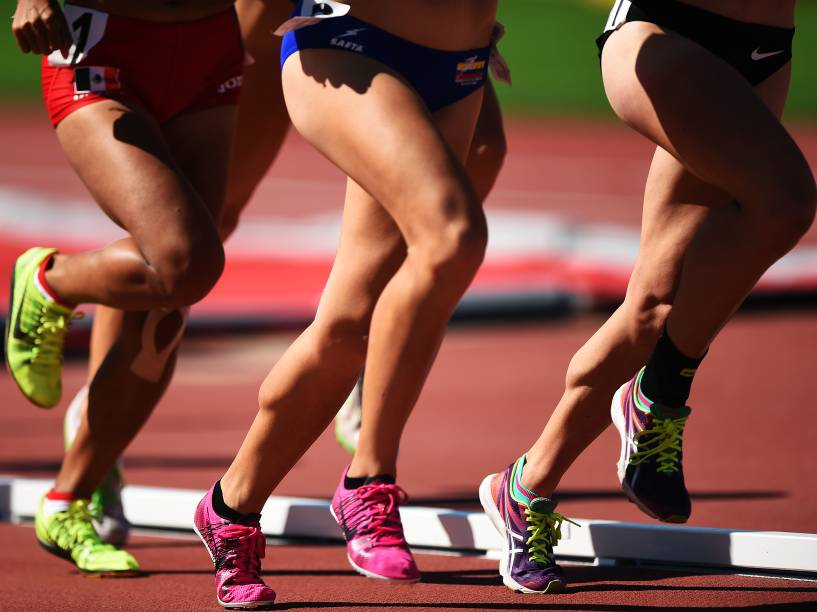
[239,552]
[375,510]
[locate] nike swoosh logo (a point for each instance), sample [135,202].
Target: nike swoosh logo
[17,331]
[757,55]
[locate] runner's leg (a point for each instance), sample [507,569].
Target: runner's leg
[138,367]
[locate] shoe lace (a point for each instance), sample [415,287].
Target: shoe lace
[49,334]
[240,551]
[378,513]
[74,528]
[546,531]
[663,441]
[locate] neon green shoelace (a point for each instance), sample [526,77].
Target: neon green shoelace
[663,440]
[49,336]
[74,528]
[546,532]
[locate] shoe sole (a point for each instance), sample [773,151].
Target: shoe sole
[617,416]
[367,573]
[244,605]
[66,556]
[9,322]
[486,499]
[618,421]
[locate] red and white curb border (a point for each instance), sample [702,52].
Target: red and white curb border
[599,541]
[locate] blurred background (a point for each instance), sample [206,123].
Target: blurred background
[564,232]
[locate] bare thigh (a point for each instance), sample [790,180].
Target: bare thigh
[700,110]
[346,105]
[676,203]
[121,155]
[263,121]
[371,247]
[488,147]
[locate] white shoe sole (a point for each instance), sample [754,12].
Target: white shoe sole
[617,416]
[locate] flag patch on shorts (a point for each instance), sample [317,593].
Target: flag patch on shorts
[470,71]
[96,78]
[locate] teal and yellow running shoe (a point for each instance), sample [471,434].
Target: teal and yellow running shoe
[70,534]
[650,466]
[35,332]
[106,505]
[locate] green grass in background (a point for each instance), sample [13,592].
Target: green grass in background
[550,47]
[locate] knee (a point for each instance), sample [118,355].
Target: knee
[639,321]
[788,216]
[647,313]
[452,249]
[187,270]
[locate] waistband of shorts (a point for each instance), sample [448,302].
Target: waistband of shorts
[228,13]
[386,37]
[674,11]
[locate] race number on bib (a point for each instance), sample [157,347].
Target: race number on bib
[87,28]
[310,12]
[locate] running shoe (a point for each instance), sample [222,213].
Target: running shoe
[530,528]
[236,550]
[650,466]
[106,501]
[348,419]
[70,534]
[370,519]
[35,332]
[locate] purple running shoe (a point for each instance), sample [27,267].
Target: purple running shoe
[530,527]
[370,519]
[650,465]
[236,550]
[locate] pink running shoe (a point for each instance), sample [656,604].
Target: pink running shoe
[370,519]
[236,551]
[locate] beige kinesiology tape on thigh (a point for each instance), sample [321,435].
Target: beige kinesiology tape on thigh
[161,332]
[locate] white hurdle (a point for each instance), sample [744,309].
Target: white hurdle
[439,528]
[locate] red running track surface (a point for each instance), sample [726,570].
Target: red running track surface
[179,578]
[749,445]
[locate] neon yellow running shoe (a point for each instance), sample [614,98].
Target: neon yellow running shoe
[70,534]
[35,333]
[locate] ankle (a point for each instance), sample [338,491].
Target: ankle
[229,507]
[537,478]
[370,468]
[46,278]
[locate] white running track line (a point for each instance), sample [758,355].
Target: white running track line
[440,528]
[516,236]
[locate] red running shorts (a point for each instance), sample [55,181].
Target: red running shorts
[167,69]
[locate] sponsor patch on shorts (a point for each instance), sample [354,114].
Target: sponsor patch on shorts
[89,79]
[470,71]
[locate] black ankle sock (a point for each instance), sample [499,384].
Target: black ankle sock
[354,483]
[225,512]
[668,375]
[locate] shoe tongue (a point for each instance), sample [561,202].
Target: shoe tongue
[662,411]
[542,505]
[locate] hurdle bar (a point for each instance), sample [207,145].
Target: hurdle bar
[439,528]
